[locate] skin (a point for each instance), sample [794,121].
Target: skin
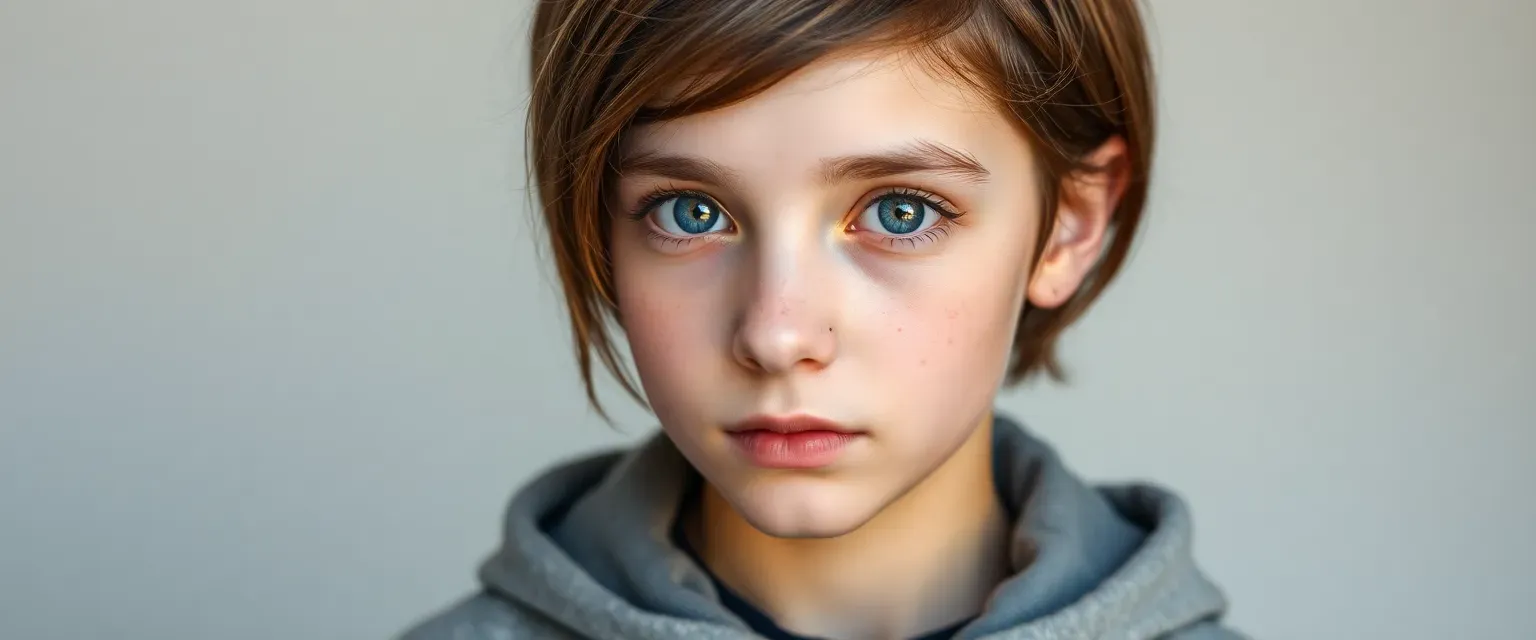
[800,302]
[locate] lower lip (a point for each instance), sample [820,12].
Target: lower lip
[799,450]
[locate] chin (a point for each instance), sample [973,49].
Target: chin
[804,507]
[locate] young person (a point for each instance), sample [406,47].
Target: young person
[830,231]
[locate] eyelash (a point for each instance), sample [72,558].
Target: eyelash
[658,196]
[939,204]
[938,231]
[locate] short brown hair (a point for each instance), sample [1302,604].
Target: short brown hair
[1074,73]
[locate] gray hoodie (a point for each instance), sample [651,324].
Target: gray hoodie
[588,554]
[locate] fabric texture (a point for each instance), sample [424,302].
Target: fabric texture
[588,553]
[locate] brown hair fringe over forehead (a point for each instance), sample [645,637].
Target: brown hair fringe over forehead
[1074,73]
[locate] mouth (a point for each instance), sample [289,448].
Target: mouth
[791,442]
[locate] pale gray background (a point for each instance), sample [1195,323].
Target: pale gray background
[275,346]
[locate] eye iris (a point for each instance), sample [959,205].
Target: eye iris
[900,215]
[694,215]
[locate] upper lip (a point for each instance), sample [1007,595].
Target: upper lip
[788,424]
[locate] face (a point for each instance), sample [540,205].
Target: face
[820,285]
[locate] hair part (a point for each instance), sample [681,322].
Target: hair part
[1073,73]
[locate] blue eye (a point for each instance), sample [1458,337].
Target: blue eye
[688,215]
[898,215]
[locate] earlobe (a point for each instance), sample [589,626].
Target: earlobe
[1085,207]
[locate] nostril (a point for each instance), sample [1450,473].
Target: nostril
[751,363]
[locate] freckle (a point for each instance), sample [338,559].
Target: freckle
[951,341]
[923,363]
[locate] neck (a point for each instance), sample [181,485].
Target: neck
[927,561]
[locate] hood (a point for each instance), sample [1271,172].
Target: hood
[588,545]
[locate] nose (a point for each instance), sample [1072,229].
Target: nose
[787,318]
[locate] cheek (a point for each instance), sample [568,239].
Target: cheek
[958,335]
[671,321]
[947,329]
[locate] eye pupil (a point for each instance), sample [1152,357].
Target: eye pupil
[693,215]
[900,215]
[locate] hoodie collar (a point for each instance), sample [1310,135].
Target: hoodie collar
[589,544]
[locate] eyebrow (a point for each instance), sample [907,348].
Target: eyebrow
[915,157]
[686,168]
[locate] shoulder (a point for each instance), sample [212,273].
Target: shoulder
[485,617]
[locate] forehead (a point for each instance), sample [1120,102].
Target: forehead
[836,106]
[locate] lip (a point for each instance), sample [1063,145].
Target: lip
[789,424]
[791,442]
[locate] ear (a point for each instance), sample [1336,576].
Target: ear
[1085,203]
